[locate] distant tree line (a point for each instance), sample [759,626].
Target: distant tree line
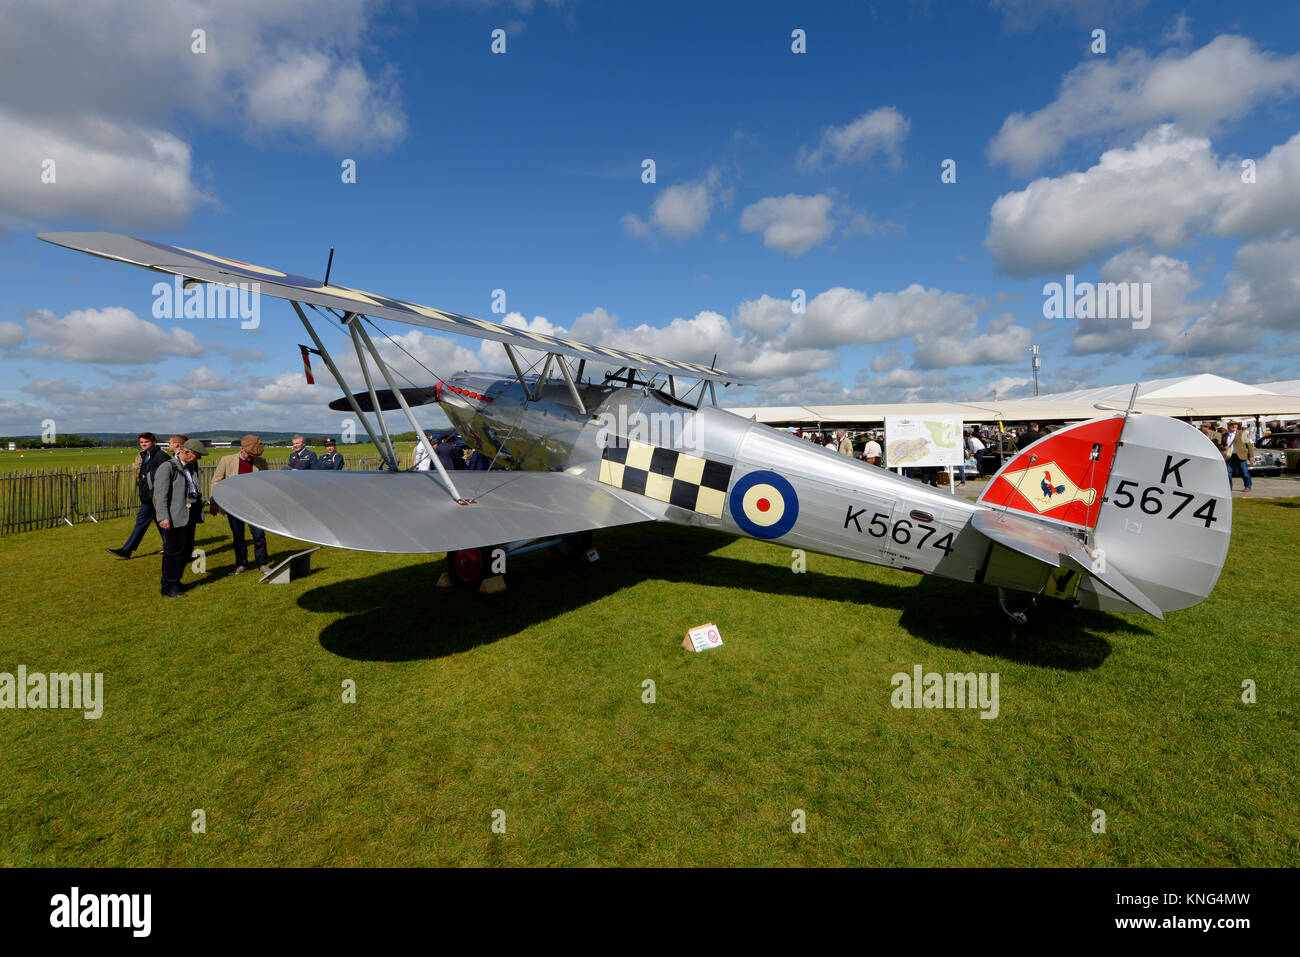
[70,441]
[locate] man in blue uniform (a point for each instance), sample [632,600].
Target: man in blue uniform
[331,459]
[301,457]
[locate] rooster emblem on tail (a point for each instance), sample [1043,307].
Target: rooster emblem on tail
[1048,488]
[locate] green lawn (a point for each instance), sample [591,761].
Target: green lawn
[80,459]
[229,700]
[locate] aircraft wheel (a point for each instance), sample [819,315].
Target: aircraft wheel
[468,567]
[1018,607]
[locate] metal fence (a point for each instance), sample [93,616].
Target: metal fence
[45,498]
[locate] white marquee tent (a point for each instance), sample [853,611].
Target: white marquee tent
[1197,397]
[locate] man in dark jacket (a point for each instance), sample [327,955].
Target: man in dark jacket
[179,503]
[142,471]
[447,454]
[1028,437]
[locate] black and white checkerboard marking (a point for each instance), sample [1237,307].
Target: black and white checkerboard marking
[667,475]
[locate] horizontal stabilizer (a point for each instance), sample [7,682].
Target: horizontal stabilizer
[387,400]
[412,512]
[1057,547]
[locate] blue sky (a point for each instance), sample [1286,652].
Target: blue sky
[775,171]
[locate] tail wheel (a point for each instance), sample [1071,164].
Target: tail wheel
[1017,606]
[468,567]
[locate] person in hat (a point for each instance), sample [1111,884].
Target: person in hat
[420,460]
[248,459]
[330,458]
[178,502]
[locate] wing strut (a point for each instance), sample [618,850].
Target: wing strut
[374,399]
[385,450]
[358,329]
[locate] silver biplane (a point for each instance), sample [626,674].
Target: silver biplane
[1126,512]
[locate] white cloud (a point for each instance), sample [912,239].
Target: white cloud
[204,379]
[113,336]
[1225,79]
[878,132]
[791,224]
[1010,387]
[1263,296]
[12,334]
[1002,343]
[114,81]
[842,316]
[119,173]
[1178,32]
[681,210]
[1271,202]
[321,97]
[1172,285]
[1164,190]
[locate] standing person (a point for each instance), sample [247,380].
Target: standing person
[248,459]
[1029,437]
[446,452]
[330,458]
[175,442]
[420,460]
[974,449]
[1238,450]
[301,457]
[845,446]
[179,505]
[872,452]
[142,470]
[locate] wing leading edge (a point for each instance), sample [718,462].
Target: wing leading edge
[205,267]
[410,512]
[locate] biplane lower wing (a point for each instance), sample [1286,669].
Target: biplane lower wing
[410,512]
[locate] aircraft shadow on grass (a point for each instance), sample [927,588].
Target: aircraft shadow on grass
[400,616]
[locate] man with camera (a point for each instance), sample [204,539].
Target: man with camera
[179,504]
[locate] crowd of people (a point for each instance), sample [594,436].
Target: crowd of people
[450,457]
[167,483]
[869,446]
[1235,440]
[169,490]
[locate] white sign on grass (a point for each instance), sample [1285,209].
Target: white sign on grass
[703,637]
[923,440]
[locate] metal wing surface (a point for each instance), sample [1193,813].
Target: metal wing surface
[411,512]
[205,267]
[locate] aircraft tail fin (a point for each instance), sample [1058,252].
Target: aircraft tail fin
[1147,494]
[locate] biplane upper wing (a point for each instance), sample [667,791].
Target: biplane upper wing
[409,512]
[204,267]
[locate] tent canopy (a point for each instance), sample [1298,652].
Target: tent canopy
[1198,396]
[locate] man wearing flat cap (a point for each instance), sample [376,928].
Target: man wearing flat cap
[248,459]
[178,502]
[330,458]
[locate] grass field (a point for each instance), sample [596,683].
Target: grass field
[89,458]
[531,702]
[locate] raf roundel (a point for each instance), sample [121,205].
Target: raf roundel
[764,505]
